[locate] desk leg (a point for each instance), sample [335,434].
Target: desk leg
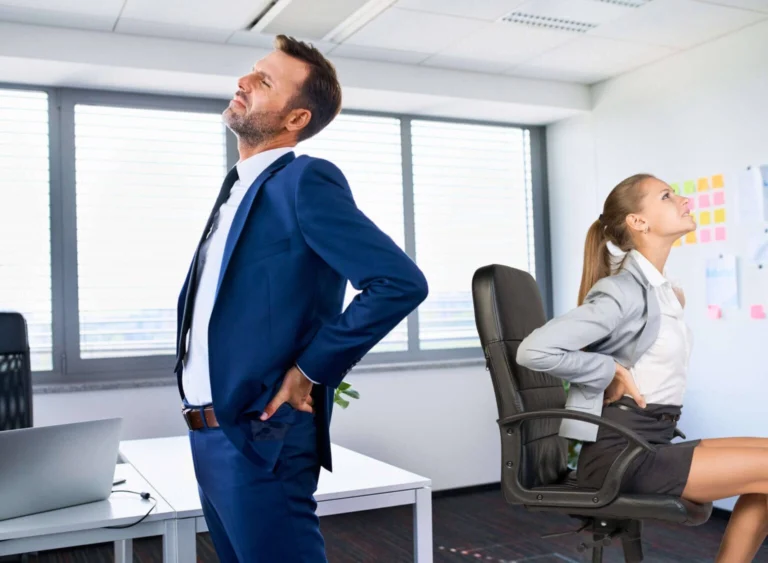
[179,541]
[124,551]
[422,526]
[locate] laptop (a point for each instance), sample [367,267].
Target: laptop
[51,467]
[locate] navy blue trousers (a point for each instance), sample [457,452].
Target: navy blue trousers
[257,514]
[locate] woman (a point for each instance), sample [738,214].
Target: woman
[625,350]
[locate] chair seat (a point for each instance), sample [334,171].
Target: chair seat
[634,507]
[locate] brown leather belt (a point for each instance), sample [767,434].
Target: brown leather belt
[195,421]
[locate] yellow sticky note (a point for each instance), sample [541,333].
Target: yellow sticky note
[717,181]
[705,218]
[703,184]
[678,242]
[675,188]
[689,186]
[719,215]
[690,238]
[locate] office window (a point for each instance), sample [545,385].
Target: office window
[472,207]
[368,151]
[25,234]
[145,183]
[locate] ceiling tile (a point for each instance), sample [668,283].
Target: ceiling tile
[677,23]
[376,54]
[507,43]
[234,15]
[489,10]
[413,31]
[89,14]
[559,75]
[472,65]
[303,18]
[169,31]
[759,5]
[587,11]
[594,57]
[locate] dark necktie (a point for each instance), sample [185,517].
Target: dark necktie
[189,302]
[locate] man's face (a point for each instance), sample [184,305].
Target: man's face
[261,107]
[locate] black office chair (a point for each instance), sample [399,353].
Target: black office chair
[15,373]
[534,470]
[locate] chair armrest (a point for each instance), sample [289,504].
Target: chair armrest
[632,436]
[574,498]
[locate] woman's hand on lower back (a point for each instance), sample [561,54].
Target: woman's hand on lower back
[623,384]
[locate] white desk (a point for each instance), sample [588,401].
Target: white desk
[86,524]
[357,483]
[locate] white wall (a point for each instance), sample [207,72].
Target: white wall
[440,423]
[697,113]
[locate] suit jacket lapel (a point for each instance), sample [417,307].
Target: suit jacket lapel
[244,209]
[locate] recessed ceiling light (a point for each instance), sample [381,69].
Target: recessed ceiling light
[547,22]
[626,3]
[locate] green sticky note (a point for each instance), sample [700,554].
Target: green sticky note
[690,187]
[675,188]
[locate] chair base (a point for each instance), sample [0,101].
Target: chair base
[604,531]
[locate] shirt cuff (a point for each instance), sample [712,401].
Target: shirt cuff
[305,375]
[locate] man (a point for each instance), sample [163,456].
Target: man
[262,338]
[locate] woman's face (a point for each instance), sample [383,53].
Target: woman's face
[664,213]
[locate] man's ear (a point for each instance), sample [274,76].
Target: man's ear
[298,119]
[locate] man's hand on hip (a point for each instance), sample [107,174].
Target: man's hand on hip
[295,390]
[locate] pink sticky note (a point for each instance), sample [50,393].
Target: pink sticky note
[719,198]
[705,235]
[757,312]
[714,312]
[720,233]
[691,203]
[704,200]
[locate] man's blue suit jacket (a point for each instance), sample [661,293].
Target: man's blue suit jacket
[295,240]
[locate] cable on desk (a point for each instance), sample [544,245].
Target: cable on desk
[145,496]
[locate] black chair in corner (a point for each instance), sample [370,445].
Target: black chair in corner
[534,471]
[15,373]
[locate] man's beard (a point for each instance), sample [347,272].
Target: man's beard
[254,129]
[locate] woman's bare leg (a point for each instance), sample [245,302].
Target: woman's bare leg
[717,474]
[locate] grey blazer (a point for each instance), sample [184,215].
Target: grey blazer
[618,321]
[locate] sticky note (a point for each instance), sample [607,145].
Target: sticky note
[720,233]
[678,242]
[705,235]
[719,215]
[691,203]
[675,188]
[704,200]
[690,187]
[718,198]
[757,312]
[690,238]
[703,184]
[717,181]
[714,312]
[705,218]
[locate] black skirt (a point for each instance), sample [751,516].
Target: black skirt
[664,472]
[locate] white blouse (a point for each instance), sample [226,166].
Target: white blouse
[661,373]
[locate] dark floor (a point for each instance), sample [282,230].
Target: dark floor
[476,526]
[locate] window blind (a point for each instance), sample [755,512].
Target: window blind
[472,207]
[146,181]
[367,149]
[25,226]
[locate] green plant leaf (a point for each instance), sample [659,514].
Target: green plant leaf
[343,386]
[343,403]
[351,393]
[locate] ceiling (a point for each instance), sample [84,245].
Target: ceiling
[582,41]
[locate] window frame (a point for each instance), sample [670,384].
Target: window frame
[70,370]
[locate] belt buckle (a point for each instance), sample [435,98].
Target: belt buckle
[185,414]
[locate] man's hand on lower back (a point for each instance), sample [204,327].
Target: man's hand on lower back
[296,389]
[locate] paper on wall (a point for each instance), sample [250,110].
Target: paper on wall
[722,282]
[752,200]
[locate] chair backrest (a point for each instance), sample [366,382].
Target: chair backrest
[508,308]
[15,373]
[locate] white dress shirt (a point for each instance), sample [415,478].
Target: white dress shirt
[196,375]
[661,373]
